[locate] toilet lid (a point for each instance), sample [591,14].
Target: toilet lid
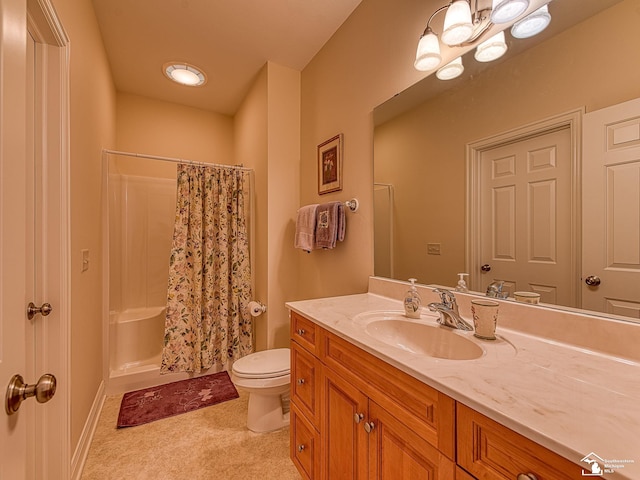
[265,364]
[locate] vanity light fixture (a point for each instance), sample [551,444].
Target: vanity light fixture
[458,26]
[462,28]
[451,70]
[532,24]
[505,11]
[491,49]
[184,74]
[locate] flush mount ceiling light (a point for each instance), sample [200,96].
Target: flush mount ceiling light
[184,74]
[532,24]
[464,27]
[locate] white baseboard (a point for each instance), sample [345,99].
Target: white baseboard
[82,448]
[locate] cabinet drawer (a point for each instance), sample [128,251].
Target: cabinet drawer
[305,445]
[429,412]
[489,450]
[305,382]
[304,332]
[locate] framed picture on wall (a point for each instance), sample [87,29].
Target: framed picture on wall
[330,165]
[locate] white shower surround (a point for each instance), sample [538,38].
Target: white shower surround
[141,216]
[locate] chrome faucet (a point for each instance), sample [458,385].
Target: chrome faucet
[495,290]
[448,310]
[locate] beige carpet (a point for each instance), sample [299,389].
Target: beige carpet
[212,443]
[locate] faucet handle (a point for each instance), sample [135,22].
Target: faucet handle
[446,296]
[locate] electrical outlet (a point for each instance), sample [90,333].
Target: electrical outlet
[85,259]
[433,249]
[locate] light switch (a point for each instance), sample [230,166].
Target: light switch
[85,259]
[433,249]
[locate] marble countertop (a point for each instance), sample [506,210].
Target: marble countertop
[571,400]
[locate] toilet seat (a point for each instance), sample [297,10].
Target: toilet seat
[263,365]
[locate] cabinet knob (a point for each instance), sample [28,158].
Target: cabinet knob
[526,476]
[369,426]
[301,448]
[301,331]
[300,381]
[358,417]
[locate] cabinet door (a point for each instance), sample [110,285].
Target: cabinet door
[305,445]
[305,382]
[344,440]
[396,452]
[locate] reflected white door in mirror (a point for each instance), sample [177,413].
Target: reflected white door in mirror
[525,217]
[611,207]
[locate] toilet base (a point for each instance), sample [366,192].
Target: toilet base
[265,413]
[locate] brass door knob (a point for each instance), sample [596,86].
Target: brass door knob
[592,280]
[17,391]
[43,310]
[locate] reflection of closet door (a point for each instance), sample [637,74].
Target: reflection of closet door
[525,216]
[611,210]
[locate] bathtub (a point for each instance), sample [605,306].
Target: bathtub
[136,339]
[135,342]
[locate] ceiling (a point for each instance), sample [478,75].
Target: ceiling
[230,40]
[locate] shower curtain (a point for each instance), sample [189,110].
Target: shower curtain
[207,321]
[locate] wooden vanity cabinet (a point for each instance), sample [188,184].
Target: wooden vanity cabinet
[362,418]
[355,417]
[492,451]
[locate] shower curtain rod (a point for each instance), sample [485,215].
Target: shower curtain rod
[176,160]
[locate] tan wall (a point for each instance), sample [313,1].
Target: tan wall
[251,149]
[422,152]
[170,130]
[368,60]
[267,136]
[283,197]
[92,123]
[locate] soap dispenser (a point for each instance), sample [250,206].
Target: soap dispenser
[462,285]
[412,301]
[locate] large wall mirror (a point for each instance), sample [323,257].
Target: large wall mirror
[428,137]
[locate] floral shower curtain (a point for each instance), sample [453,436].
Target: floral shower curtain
[208,321]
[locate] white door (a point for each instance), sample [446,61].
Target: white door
[34,438]
[13,300]
[611,207]
[525,216]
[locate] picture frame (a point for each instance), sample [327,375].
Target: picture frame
[330,165]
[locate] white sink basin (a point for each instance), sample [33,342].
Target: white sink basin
[414,336]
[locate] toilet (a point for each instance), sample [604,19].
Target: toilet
[266,376]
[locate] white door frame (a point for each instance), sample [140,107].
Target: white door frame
[571,120]
[52,445]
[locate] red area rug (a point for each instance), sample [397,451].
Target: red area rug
[150,404]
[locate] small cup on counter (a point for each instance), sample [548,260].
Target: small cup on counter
[527,297]
[485,318]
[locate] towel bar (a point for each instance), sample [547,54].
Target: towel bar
[352,204]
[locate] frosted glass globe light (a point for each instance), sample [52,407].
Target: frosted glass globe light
[428,53]
[491,49]
[532,24]
[458,27]
[504,11]
[451,70]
